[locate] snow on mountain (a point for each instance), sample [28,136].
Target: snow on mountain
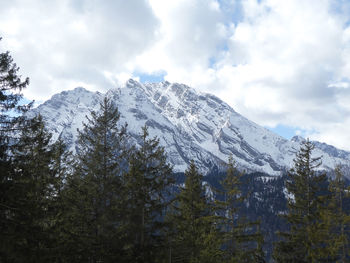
[190,125]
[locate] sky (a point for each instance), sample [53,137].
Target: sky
[282,64]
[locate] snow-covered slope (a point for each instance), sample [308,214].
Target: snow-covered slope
[189,124]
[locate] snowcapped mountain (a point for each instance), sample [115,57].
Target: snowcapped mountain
[190,125]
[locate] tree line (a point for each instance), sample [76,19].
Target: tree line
[114,201]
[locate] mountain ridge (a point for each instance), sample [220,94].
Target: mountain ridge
[191,125]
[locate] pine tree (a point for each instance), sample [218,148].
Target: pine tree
[62,161]
[61,169]
[337,220]
[11,86]
[32,197]
[305,240]
[147,191]
[196,236]
[242,244]
[93,193]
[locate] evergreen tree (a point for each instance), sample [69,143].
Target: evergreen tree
[305,242]
[61,164]
[93,193]
[147,191]
[61,169]
[337,220]
[11,86]
[242,243]
[10,96]
[32,197]
[196,237]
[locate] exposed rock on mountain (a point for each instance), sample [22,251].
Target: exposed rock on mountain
[189,124]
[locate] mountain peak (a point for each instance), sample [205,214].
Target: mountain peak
[298,138]
[191,125]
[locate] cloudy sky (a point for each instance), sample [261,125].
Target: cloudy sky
[283,64]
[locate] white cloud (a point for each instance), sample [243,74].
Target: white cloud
[282,63]
[276,62]
[62,43]
[190,34]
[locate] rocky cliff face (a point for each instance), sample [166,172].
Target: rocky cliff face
[190,125]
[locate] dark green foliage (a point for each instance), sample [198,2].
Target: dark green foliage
[10,96]
[61,164]
[31,198]
[11,111]
[113,202]
[147,188]
[10,88]
[264,200]
[243,242]
[196,236]
[337,219]
[93,192]
[305,242]
[25,157]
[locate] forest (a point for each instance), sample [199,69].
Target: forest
[112,201]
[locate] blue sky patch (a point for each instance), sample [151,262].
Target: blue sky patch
[158,77]
[287,131]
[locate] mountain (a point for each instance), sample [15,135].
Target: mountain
[190,125]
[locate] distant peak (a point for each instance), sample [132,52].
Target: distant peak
[80,89]
[70,92]
[131,81]
[190,125]
[297,138]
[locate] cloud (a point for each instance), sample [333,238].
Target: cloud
[279,63]
[61,44]
[191,33]
[282,64]
[276,62]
